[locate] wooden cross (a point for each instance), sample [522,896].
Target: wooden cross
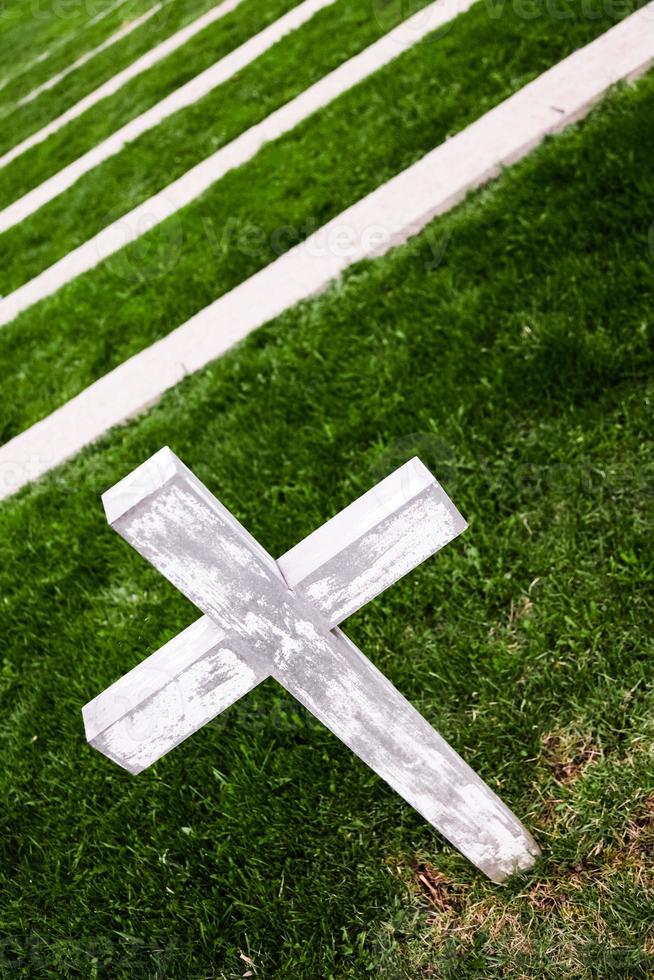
[280,618]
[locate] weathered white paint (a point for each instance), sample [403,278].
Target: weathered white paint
[125,721]
[262,625]
[376,540]
[188,94]
[387,217]
[122,718]
[156,672]
[124,31]
[169,696]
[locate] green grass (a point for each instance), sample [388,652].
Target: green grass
[192,134]
[143,91]
[65,29]
[518,364]
[245,220]
[100,121]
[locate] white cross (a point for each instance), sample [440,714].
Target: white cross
[279,618]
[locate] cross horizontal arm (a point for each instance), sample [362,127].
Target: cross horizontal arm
[373,543]
[354,556]
[170,695]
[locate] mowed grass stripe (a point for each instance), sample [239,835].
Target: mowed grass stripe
[182,98]
[138,96]
[63,148]
[158,53]
[391,214]
[124,31]
[51,40]
[80,57]
[184,140]
[262,209]
[194,182]
[30,118]
[510,347]
[188,137]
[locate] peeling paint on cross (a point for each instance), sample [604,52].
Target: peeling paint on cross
[280,618]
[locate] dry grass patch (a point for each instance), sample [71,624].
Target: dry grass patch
[568,754]
[559,925]
[439,891]
[632,851]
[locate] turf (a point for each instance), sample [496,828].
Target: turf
[138,95]
[32,116]
[63,29]
[510,346]
[150,163]
[245,220]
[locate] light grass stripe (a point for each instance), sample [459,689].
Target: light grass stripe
[59,44]
[66,39]
[122,32]
[112,85]
[180,99]
[105,13]
[197,180]
[387,217]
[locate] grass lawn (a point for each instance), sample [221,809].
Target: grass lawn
[65,30]
[295,184]
[510,346]
[193,133]
[32,116]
